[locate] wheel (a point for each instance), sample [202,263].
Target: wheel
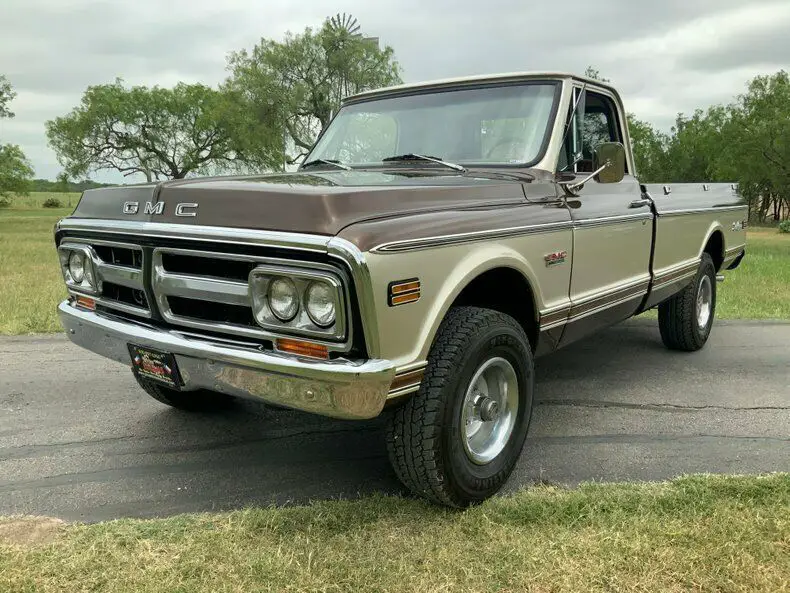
[201,400]
[685,320]
[456,441]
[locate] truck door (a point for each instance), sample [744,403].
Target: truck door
[613,226]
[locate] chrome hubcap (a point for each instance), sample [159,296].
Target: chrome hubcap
[489,410]
[704,302]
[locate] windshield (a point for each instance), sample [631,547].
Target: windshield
[502,125]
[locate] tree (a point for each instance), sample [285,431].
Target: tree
[15,170]
[158,132]
[755,149]
[7,95]
[649,147]
[295,85]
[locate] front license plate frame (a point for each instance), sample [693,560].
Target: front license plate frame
[154,365]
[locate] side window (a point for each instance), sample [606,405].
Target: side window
[600,124]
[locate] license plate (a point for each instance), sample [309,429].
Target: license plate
[155,365]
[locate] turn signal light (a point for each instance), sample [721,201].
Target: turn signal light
[404,291]
[302,348]
[85,303]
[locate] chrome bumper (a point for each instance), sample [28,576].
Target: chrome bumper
[341,389]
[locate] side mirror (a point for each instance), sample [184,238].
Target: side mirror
[611,156]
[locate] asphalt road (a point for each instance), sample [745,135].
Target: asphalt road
[80,441]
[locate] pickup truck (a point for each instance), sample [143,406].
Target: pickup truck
[436,240]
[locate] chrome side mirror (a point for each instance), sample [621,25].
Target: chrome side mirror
[609,162]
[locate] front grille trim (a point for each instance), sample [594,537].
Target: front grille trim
[131,277]
[232,292]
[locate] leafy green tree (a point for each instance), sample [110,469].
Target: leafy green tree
[649,148]
[296,85]
[15,170]
[7,95]
[756,145]
[62,182]
[158,132]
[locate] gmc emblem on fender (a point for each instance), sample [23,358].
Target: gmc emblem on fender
[182,209]
[558,257]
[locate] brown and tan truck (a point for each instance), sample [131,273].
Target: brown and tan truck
[437,238]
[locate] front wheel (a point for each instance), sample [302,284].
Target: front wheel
[685,320]
[457,440]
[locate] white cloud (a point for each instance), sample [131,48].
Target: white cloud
[666,57]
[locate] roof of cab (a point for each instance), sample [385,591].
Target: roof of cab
[477,79]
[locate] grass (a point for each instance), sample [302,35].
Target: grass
[31,284]
[760,287]
[30,281]
[697,533]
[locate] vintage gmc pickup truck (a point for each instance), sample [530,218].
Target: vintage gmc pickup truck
[437,239]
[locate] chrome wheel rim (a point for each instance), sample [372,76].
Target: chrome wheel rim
[489,410]
[704,302]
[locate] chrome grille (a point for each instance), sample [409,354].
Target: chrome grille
[209,290]
[119,274]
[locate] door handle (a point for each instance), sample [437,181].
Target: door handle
[640,203]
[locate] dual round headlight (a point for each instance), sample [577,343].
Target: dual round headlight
[283,299]
[77,266]
[319,301]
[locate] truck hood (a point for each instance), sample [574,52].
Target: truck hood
[318,203]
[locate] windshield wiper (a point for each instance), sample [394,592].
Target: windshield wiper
[421,157]
[333,162]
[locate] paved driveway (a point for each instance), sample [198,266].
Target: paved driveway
[79,440]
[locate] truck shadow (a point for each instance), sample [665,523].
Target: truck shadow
[251,454]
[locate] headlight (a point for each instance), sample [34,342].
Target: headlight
[76,263]
[302,301]
[77,266]
[320,303]
[283,299]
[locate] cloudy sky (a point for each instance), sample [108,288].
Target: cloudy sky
[665,56]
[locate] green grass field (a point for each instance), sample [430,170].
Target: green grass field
[703,533]
[31,284]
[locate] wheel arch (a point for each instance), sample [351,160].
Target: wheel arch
[714,245]
[477,282]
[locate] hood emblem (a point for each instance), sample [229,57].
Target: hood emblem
[182,209]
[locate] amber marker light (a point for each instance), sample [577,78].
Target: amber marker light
[85,303]
[302,348]
[402,292]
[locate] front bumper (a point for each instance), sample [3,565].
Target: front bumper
[340,389]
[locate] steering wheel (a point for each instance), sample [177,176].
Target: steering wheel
[514,141]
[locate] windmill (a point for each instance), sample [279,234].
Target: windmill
[345,22]
[347,25]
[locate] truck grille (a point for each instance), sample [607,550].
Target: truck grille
[183,286]
[119,271]
[209,290]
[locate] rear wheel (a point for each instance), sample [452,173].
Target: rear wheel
[457,440]
[201,400]
[686,319]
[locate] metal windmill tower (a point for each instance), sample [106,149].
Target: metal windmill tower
[346,28]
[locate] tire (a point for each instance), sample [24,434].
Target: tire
[682,320]
[427,436]
[201,400]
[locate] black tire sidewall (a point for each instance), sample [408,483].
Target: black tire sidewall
[706,269]
[469,481]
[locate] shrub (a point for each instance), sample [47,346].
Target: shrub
[784,226]
[5,201]
[52,203]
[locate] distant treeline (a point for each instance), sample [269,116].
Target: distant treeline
[70,186]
